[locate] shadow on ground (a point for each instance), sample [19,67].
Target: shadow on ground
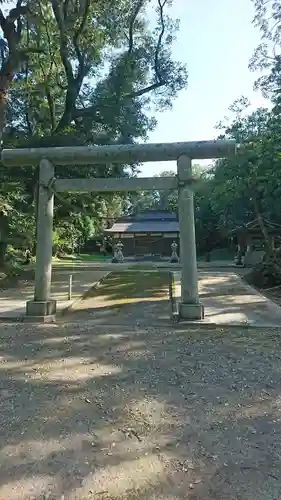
[129,297]
[120,411]
[228,300]
[122,286]
[116,403]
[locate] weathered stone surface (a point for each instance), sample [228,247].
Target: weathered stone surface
[121,184]
[41,308]
[125,153]
[43,272]
[189,288]
[191,311]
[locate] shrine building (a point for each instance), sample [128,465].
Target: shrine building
[147,234]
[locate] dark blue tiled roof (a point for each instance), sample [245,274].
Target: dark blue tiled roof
[148,226]
[148,221]
[155,215]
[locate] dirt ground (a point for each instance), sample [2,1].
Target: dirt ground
[116,402]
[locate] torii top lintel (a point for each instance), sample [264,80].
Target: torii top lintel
[125,153]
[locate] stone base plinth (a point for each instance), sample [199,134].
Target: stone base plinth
[44,310]
[191,311]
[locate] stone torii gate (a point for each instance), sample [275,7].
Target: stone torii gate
[43,307]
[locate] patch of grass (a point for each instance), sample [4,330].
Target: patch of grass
[85,257]
[145,267]
[92,256]
[122,287]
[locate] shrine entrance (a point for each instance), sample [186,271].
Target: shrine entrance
[147,246]
[183,153]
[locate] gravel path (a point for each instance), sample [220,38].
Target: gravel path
[125,406]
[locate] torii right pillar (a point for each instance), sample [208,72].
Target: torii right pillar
[190,307]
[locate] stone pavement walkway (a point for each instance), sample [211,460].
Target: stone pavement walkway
[129,263]
[13,300]
[228,300]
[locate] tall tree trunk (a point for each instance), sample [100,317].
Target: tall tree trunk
[4,230]
[263,227]
[11,26]
[3,105]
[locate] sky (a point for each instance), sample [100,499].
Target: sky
[216,40]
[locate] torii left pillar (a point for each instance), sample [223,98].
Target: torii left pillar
[190,307]
[43,308]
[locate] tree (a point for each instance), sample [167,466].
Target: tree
[95,74]
[157,200]
[92,73]
[267,56]
[12,52]
[247,185]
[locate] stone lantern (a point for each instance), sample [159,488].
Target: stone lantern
[174,257]
[118,254]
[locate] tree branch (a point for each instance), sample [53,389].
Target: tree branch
[52,57]
[145,90]
[73,82]
[8,23]
[29,126]
[14,57]
[63,41]
[2,19]
[160,82]
[50,101]
[131,26]
[48,95]
[95,109]
[80,56]
[83,21]
[160,39]
[65,9]
[71,94]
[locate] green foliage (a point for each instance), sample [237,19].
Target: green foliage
[249,183]
[80,73]
[99,66]
[267,56]
[157,200]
